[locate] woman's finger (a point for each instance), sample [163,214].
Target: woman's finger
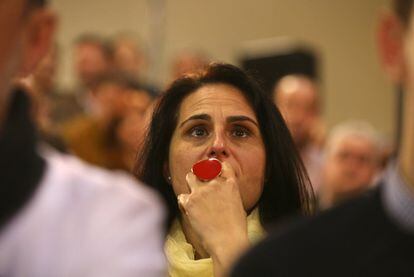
[192,181]
[227,171]
[182,200]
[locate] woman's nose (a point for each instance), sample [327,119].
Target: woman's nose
[218,148]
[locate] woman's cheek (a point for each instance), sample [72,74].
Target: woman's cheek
[180,165]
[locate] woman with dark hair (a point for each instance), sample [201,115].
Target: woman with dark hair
[220,113]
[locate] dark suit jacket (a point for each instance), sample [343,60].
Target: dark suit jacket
[21,167]
[355,239]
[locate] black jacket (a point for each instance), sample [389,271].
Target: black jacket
[21,167]
[355,239]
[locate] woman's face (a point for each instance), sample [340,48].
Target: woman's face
[217,121]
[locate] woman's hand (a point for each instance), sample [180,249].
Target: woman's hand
[215,212]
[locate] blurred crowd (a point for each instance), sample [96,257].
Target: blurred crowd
[341,163]
[103,120]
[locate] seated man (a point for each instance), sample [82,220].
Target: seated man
[298,99]
[351,162]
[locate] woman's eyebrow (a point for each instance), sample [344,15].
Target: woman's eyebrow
[236,118]
[202,116]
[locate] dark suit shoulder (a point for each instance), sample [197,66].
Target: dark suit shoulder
[342,222]
[338,242]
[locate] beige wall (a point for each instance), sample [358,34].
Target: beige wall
[353,84]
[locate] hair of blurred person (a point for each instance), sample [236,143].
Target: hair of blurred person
[352,158]
[93,57]
[277,180]
[403,9]
[188,61]
[298,99]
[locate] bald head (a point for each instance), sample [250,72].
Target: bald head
[297,98]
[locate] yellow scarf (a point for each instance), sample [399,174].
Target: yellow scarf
[180,253]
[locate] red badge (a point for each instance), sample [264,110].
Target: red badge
[207,170]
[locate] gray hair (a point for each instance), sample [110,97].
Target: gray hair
[360,129]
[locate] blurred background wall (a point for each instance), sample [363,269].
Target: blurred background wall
[343,32]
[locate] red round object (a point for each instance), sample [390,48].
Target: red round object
[207,170]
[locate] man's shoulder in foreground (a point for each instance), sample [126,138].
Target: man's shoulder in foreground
[85,180]
[85,221]
[354,239]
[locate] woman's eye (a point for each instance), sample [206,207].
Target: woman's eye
[198,132]
[240,132]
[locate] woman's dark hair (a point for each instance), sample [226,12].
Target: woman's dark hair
[287,188]
[403,8]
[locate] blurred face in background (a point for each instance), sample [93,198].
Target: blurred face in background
[111,100]
[12,25]
[217,121]
[128,58]
[296,97]
[25,36]
[350,166]
[90,62]
[133,127]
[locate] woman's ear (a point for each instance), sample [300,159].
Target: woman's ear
[39,37]
[390,41]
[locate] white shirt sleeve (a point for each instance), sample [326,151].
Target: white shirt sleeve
[84,221]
